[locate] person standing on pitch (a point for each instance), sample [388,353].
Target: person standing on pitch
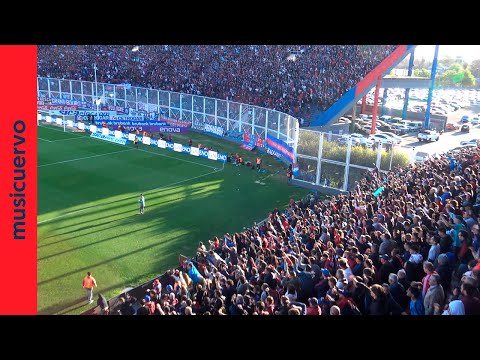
[142,203]
[89,283]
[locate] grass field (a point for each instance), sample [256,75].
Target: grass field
[88,217]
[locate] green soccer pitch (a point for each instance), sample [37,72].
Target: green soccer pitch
[88,218]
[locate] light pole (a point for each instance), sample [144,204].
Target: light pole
[96,86]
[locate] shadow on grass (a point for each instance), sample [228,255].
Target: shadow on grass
[115,258]
[93,243]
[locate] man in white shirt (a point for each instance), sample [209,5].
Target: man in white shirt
[142,203]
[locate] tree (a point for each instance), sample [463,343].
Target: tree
[422,72]
[475,68]
[456,76]
[468,79]
[447,61]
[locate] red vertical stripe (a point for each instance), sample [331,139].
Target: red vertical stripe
[382,67]
[18,102]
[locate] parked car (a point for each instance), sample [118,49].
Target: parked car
[382,138]
[464,119]
[472,142]
[400,129]
[421,156]
[474,121]
[362,139]
[396,139]
[465,128]
[428,135]
[451,126]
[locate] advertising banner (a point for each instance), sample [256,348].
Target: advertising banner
[109,138]
[212,155]
[278,148]
[177,147]
[194,151]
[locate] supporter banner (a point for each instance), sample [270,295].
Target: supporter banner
[57,107]
[59,121]
[118,109]
[109,138]
[81,126]
[162,144]
[93,128]
[128,118]
[249,141]
[198,124]
[259,142]
[68,102]
[176,122]
[146,140]
[213,129]
[18,184]
[236,135]
[247,146]
[105,132]
[278,148]
[70,123]
[118,134]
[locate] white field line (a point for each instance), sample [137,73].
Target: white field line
[84,158]
[150,152]
[45,140]
[132,196]
[72,138]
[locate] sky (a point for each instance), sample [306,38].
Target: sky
[469,52]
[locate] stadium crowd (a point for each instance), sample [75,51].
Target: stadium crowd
[298,80]
[413,249]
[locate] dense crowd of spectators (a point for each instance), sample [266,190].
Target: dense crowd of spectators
[413,249]
[298,80]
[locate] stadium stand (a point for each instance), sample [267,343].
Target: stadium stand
[412,249]
[300,80]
